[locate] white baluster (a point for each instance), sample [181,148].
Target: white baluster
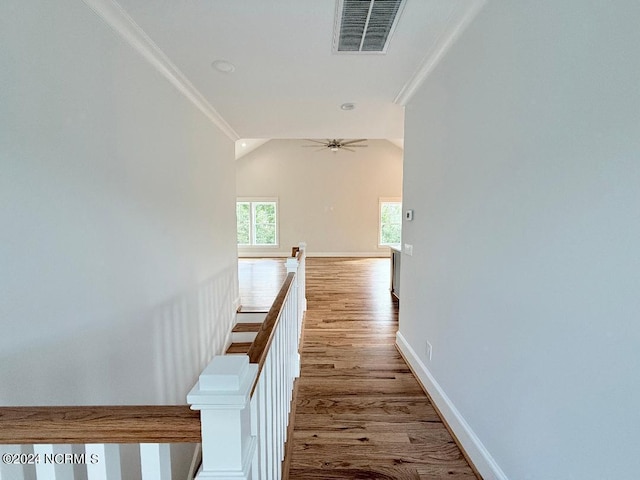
[222,396]
[293,265]
[271,428]
[262,426]
[10,471]
[107,461]
[290,345]
[302,275]
[255,431]
[292,322]
[279,419]
[286,336]
[55,462]
[155,460]
[276,404]
[284,359]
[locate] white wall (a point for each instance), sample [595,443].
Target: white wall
[117,246]
[329,200]
[522,163]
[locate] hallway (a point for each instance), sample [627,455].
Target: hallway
[359,411]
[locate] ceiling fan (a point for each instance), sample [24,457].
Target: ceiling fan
[335,144]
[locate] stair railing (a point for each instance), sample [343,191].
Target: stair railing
[244,403]
[51,442]
[245,400]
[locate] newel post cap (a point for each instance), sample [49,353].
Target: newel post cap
[226,382]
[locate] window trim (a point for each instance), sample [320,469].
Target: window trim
[381,201]
[252,201]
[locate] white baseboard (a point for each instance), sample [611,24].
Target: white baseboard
[477,453]
[385,254]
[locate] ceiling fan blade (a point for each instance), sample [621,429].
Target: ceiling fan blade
[339,140]
[351,142]
[313,146]
[347,148]
[314,141]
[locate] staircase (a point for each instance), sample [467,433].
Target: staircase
[248,323]
[238,411]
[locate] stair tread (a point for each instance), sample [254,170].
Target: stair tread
[240,347]
[253,309]
[247,327]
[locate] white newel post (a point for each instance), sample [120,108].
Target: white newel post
[222,395]
[292,266]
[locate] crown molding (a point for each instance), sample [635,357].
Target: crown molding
[120,21]
[457,22]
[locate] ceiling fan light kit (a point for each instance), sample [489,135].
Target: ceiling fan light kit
[336,144]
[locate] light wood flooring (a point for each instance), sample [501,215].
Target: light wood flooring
[260,281]
[359,411]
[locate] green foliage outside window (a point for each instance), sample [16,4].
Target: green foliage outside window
[256,223]
[243,216]
[390,222]
[265,223]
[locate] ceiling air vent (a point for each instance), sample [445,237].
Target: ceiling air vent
[365,26]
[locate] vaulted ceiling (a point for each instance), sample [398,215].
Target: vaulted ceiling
[288,82]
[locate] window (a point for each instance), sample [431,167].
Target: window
[257,222]
[390,221]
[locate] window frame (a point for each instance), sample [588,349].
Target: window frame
[253,202]
[383,201]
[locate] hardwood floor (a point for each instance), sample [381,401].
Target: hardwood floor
[260,281]
[359,411]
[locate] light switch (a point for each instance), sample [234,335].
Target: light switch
[408,249]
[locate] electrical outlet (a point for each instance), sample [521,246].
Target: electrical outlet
[429,351]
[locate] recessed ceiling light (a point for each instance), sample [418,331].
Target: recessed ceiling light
[223,66]
[243,144]
[348,106]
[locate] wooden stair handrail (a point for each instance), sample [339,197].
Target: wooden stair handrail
[99,424]
[260,346]
[127,423]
